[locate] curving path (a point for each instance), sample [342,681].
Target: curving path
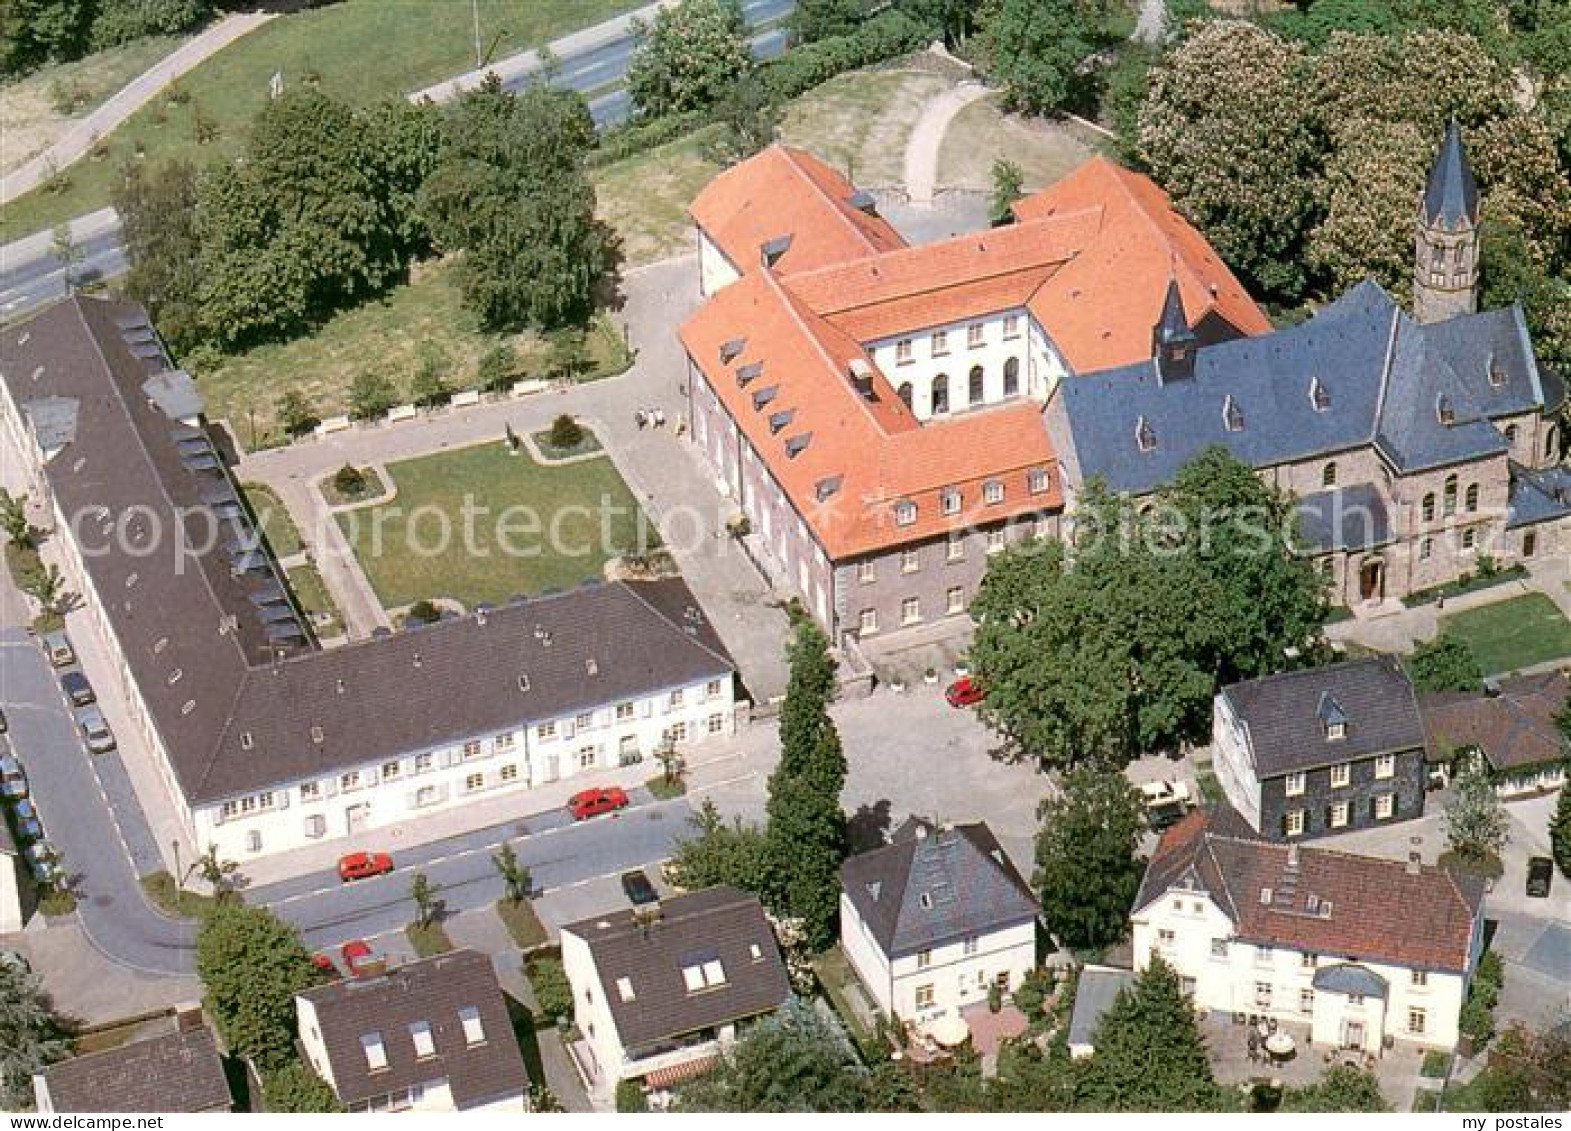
[130,98]
[927,139]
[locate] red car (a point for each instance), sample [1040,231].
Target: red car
[364,865]
[593,802]
[324,962]
[360,959]
[964,692]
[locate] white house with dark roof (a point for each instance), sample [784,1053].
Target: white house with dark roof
[659,991]
[935,918]
[431,1036]
[1357,949]
[1323,750]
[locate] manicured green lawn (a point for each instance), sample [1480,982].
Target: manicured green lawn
[1515,634]
[533,527]
[277,527]
[312,594]
[356,49]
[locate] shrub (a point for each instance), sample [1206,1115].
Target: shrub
[349,481]
[552,991]
[883,37]
[497,367]
[370,396]
[422,612]
[630,1097]
[295,414]
[1435,1064]
[566,433]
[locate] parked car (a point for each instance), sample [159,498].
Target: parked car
[95,729]
[1165,793]
[324,962]
[638,889]
[964,692]
[363,865]
[76,688]
[57,646]
[13,779]
[44,862]
[28,826]
[593,802]
[1540,875]
[360,960]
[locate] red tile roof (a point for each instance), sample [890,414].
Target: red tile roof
[1515,728]
[784,191]
[874,447]
[1319,900]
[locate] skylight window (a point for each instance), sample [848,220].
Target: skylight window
[474,1030]
[375,1051]
[1145,435]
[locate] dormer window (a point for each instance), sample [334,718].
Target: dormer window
[730,349]
[375,1051]
[993,491]
[950,500]
[1497,372]
[1036,480]
[1319,395]
[1145,435]
[474,1029]
[1232,415]
[1332,718]
[905,513]
[1445,411]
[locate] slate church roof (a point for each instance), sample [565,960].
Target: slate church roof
[931,886]
[1359,372]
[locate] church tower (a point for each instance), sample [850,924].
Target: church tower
[1445,268]
[1173,343]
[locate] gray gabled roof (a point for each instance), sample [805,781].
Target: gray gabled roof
[1350,978]
[1286,714]
[1386,379]
[177,1072]
[640,963]
[1451,193]
[1538,495]
[930,886]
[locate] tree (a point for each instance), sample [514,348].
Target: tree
[295,1088]
[67,252]
[252,964]
[349,481]
[46,586]
[569,353]
[42,31]
[749,116]
[806,837]
[1087,863]
[295,414]
[221,875]
[1149,1053]
[1445,662]
[1033,48]
[689,57]
[31,1037]
[429,387]
[821,19]
[497,367]
[14,521]
[1529,1070]
[1342,1087]
[424,894]
[1476,822]
[1008,184]
[566,433]
[719,853]
[370,395]
[516,880]
[1560,833]
[791,1062]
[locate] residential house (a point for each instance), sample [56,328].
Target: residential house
[178,1072]
[1096,989]
[1357,949]
[1322,750]
[1512,724]
[430,1036]
[659,991]
[874,409]
[16,883]
[935,919]
[1416,446]
[265,742]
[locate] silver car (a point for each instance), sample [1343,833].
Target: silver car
[57,646]
[95,730]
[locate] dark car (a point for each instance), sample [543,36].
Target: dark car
[1540,874]
[76,688]
[1165,815]
[638,889]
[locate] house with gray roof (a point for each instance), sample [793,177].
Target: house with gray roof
[1416,445]
[1324,750]
[179,1072]
[659,991]
[267,741]
[431,1036]
[935,919]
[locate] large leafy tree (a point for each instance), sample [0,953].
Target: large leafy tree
[1088,866]
[1445,663]
[1034,48]
[1476,823]
[806,837]
[157,209]
[795,1061]
[31,1037]
[510,192]
[720,853]
[1149,1053]
[821,19]
[252,964]
[689,57]
[1341,1087]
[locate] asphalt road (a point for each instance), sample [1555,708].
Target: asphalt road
[30,275]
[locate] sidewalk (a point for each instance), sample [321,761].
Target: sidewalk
[131,98]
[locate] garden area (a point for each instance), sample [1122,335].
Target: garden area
[282,535]
[1511,635]
[207,115]
[312,596]
[536,527]
[1045,150]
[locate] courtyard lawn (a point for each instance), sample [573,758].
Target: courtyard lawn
[361,50]
[644,198]
[1511,635]
[388,335]
[1046,151]
[566,522]
[311,593]
[277,527]
[860,122]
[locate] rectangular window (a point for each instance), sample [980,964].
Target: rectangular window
[424,763]
[586,758]
[1186,986]
[391,770]
[1341,774]
[867,621]
[1294,784]
[503,741]
[1306,1001]
[1385,766]
[1165,938]
[940,342]
[509,772]
[1263,995]
[910,561]
[971,946]
[1036,480]
[903,352]
[675,701]
[1011,325]
[677,731]
[1339,815]
[714,724]
[375,1051]
[924,959]
[473,782]
[1385,805]
[974,334]
[471,749]
[910,610]
[349,781]
[1420,978]
[1264,956]
[420,1034]
[1308,960]
[544,732]
[993,491]
[474,1029]
[956,550]
[950,502]
[867,572]
[310,791]
[924,996]
[955,600]
[585,721]
[1416,1019]
[624,712]
[712,689]
[995,540]
[905,513]
[1218,948]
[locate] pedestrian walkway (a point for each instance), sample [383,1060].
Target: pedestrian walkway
[927,140]
[132,97]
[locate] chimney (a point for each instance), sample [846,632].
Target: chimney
[188,1016]
[1491,689]
[480,617]
[1415,864]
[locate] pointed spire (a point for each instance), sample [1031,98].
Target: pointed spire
[1451,195]
[1173,327]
